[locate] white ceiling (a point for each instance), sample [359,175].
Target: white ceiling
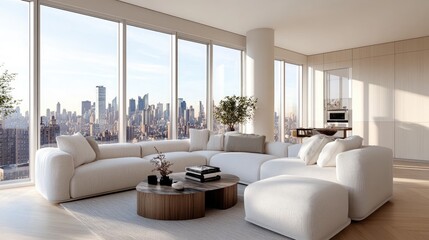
[308,26]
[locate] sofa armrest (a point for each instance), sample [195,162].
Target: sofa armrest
[278,149]
[164,146]
[367,175]
[53,172]
[293,150]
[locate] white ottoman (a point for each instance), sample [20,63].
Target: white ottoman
[297,207]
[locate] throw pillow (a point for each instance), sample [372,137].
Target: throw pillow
[199,139]
[215,142]
[77,146]
[312,147]
[245,143]
[328,156]
[94,146]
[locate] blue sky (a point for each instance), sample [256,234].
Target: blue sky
[14,42]
[80,52]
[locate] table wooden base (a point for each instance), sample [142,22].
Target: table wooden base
[171,207]
[165,203]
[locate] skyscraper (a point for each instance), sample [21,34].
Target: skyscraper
[86,107]
[159,111]
[115,104]
[140,104]
[100,105]
[132,107]
[146,100]
[58,112]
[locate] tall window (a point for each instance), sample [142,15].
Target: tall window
[278,69]
[192,87]
[226,77]
[287,79]
[292,94]
[14,59]
[148,84]
[79,76]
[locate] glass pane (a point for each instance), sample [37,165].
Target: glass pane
[292,80]
[277,98]
[14,59]
[148,84]
[79,76]
[192,82]
[226,78]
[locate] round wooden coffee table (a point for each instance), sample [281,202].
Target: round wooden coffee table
[166,203]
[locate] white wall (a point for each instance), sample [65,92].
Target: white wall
[390,92]
[260,80]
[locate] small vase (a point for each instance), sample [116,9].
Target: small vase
[230,129]
[166,181]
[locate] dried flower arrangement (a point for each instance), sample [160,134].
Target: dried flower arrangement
[161,164]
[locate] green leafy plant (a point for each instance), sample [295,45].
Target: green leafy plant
[7,103]
[235,109]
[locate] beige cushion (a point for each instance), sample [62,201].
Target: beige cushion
[245,143]
[94,146]
[215,142]
[77,146]
[327,157]
[199,139]
[311,147]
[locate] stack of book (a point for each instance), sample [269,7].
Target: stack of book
[203,173]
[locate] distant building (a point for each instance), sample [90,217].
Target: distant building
[100,105]
[140,104]
[86,107]
[58,112]
[146,101]
[131,107]
[49,132]
[14,146]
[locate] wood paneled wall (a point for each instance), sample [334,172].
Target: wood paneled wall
[412,99]
[390,92]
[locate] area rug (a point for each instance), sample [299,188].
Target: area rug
[115,216]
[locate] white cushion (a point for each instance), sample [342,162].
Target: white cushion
[327,158]
[109,175]
[199,139]
[77,146]
[297,207]
[215,142]
[296,167]
[311,148]
[94,146]
[244,165]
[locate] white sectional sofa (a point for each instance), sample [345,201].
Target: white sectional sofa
[365,172]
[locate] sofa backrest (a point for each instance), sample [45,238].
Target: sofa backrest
[118,150]
[148,148]
[293,150]
[278,149]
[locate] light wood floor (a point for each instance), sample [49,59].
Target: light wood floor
[24,214]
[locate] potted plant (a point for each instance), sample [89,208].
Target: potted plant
[7,103]
[235,109]
[162,165]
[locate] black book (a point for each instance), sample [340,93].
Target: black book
[202,176]
[203,180]
[202,169]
